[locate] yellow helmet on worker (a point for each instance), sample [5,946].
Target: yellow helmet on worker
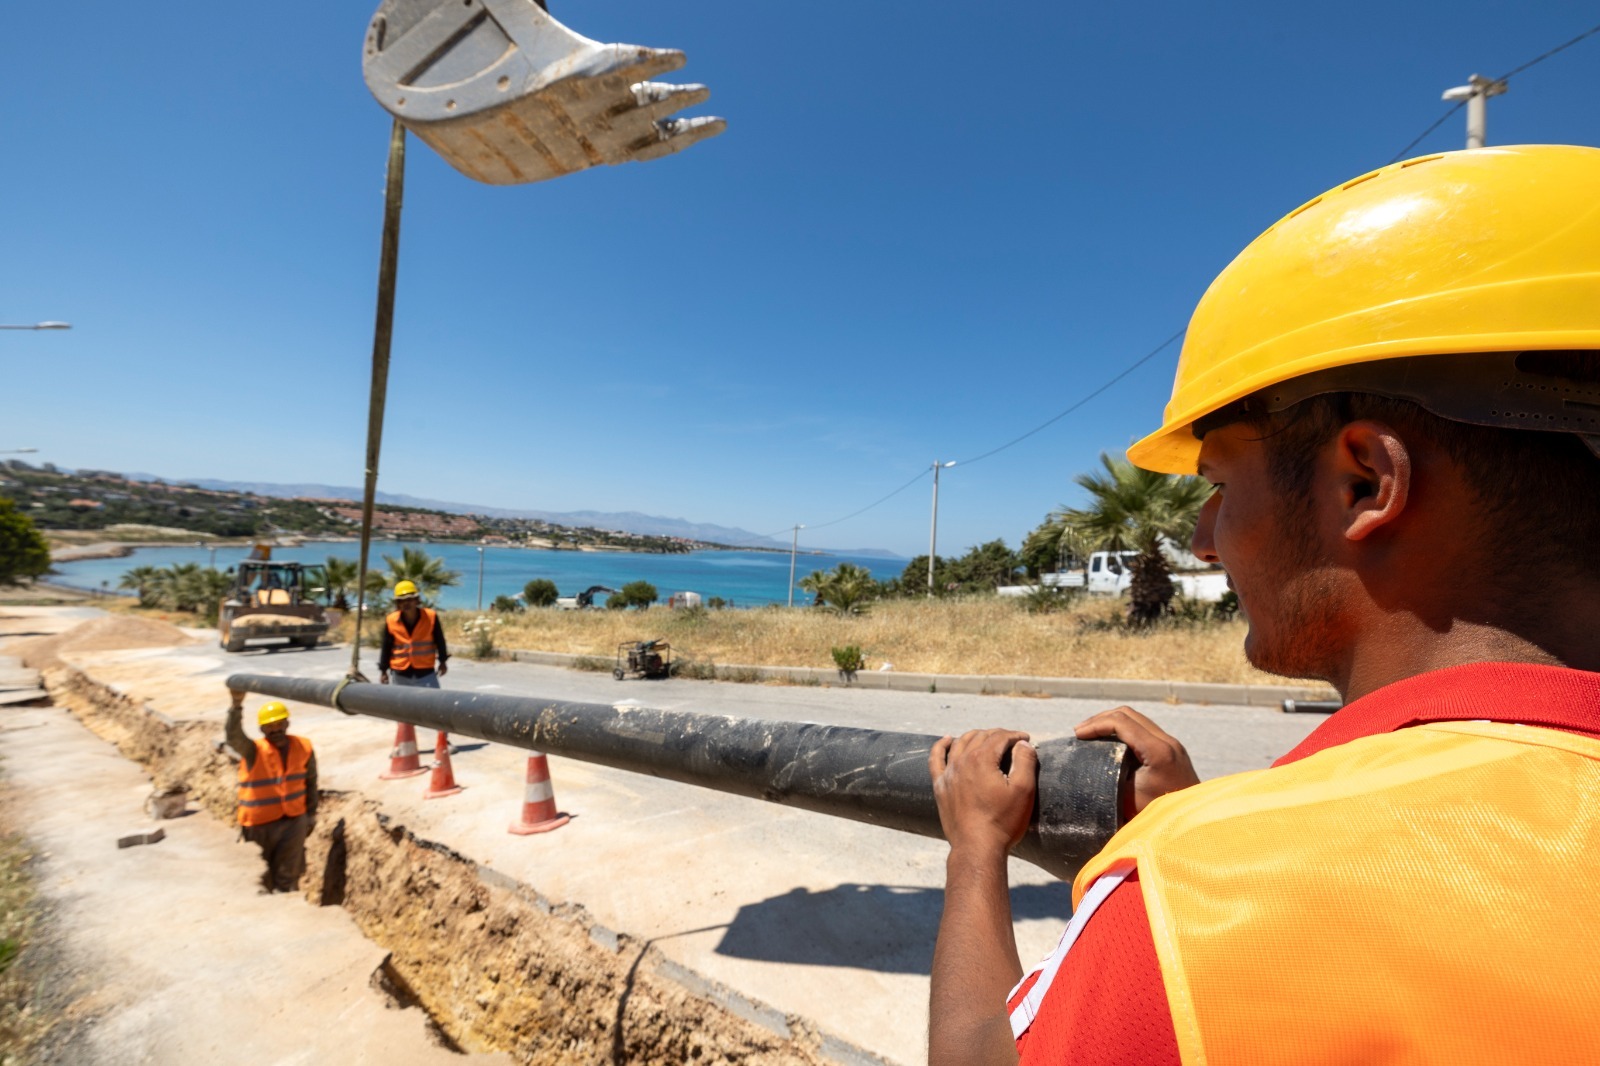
[272,712]
[1439,280]
[405,588]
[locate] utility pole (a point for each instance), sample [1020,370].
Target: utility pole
[1476,93]
[480,579]
[933,528]
[793,547]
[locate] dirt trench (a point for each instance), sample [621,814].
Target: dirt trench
[494,965]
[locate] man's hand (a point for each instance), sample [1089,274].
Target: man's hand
[984,803]
[383,678]
[1164,765]
[444,668]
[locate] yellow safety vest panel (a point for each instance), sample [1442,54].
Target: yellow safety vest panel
[273,788]
[1430,895]
[415,650]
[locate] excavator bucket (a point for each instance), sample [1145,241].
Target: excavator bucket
[508,95]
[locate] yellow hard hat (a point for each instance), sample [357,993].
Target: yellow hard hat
[1489,250]
[404,588]
[272,712]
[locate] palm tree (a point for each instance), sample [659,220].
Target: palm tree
[143,580]
[1135,510]
[846,588]
[339,577]
[175,587]
[426,571]
[204,590]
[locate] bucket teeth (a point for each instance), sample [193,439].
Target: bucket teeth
[508,95]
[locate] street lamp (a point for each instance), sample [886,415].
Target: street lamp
[1476,93]
[793,545]
[480,579]
[933,528]
[41,325]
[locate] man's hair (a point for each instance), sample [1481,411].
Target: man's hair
[1538,491]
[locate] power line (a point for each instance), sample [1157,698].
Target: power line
[885,499]
[1135,365]
[1590,32]
[1419,138]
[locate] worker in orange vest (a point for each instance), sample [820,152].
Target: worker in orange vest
[277,791]
[1395,391]
[414,651]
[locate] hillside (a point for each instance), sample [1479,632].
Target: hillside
[100,500]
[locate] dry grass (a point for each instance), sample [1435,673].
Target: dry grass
[23,1025]
[977,636]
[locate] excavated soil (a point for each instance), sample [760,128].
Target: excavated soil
[112,633]
[497,967]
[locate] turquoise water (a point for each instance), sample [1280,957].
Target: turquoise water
[749,579]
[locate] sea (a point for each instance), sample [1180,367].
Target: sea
[744,578]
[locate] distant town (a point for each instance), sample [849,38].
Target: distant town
[120,508]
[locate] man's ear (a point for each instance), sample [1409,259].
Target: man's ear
[1373,468]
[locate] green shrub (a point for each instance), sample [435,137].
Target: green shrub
[640,594]
[540,592]
[849,659]
[480,637]
[506,604]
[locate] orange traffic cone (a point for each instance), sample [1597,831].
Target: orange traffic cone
[443,782]
[538,800]
[403,760]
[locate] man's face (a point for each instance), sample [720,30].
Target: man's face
[277,732]
[408,604]
[1275,554]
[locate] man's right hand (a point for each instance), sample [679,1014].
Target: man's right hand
[383,678]
[1164,765]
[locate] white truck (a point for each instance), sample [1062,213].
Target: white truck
[1110,574]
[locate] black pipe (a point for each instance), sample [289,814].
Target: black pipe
[866,775]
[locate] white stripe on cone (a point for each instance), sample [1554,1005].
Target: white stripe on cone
[538,792]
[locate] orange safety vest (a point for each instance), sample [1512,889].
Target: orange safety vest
[413,651]
[1421,896]
[269,790]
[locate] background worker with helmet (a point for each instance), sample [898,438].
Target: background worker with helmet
[414,651]
[1396,392]
[277,791]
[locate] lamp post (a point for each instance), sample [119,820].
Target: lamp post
[933,527]
[794,545]
[480,579]
[1476,93]
[41,325]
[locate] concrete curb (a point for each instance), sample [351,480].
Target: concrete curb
[992,684]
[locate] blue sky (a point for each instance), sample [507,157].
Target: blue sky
[928,228]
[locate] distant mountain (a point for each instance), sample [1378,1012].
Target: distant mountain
[629,521]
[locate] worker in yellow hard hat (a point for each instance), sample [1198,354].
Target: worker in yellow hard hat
[1396,393]
[414,652]
[277,791]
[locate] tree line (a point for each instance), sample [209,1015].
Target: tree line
[1128,509]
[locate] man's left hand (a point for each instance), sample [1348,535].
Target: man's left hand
[983,808]
[444,668]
